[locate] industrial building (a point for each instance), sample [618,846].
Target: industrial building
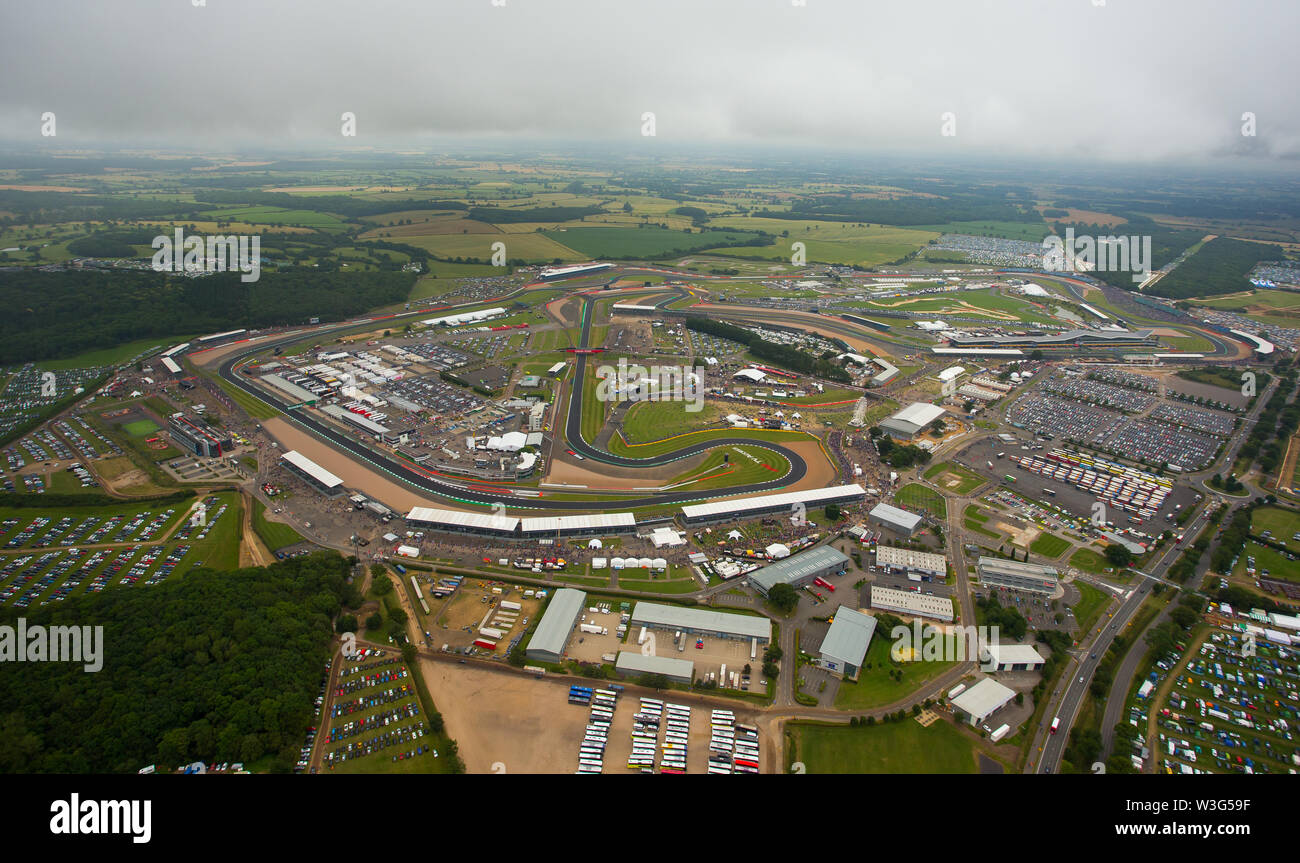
[908,423]
[846,643]
[916,565]
[892,518]
[1018,575]
[1011,657]
[1067,341]
[697,621]
[198,438]
[316,476]
[982,700]
[553,630]
[911,603]
[800,570]
[749,507]
[631,663]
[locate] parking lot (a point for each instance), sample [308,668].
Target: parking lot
[1228,711]
[1153,442]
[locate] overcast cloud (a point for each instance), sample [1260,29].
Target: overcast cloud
[1132,80]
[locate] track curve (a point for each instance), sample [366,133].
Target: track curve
[438,485]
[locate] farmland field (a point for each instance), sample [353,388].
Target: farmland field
[639,243]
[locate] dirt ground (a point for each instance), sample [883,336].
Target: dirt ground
[527,725]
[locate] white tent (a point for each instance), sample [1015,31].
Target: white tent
[595,543]
[666,536]
[644,562]
[777,551]
[735,534]
[659,563]
[617,563]
[599,563]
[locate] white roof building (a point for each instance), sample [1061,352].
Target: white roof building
[666,537]
[738,508]
[897,520]
[983,700]
[911,419]
[750,375]
[1011,657]
[952,373]
[911,603]
[910,560]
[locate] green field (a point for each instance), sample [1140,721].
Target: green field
[915,496]
[1089,561]
[534,248]
[111,356]
[140,428]
[904,747]
[845,243]
[876,688]
[740,470]
[618,446]
[276,216]
[1267,559]
[1282,523]
[1048,545]
[1091,602]
[954,478]
[275,534]
[651,421]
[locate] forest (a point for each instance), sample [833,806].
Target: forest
[65,313]
[1219,267]
[217,666]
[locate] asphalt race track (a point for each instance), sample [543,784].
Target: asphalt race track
[460,491]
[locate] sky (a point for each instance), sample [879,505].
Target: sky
[1130,80]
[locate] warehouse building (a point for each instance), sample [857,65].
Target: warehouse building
[846,643]
[908,423]
[916,565]
[911,603]
[553,630]
[789,502]
[892,518]
[801,569]
[697,621]
[198,438]
[1010,657]
[633,664]
[316,476]
[982,700]
[1018,575]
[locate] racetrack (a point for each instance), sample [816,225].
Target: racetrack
[459,490]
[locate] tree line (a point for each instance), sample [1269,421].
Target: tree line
[65,313]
